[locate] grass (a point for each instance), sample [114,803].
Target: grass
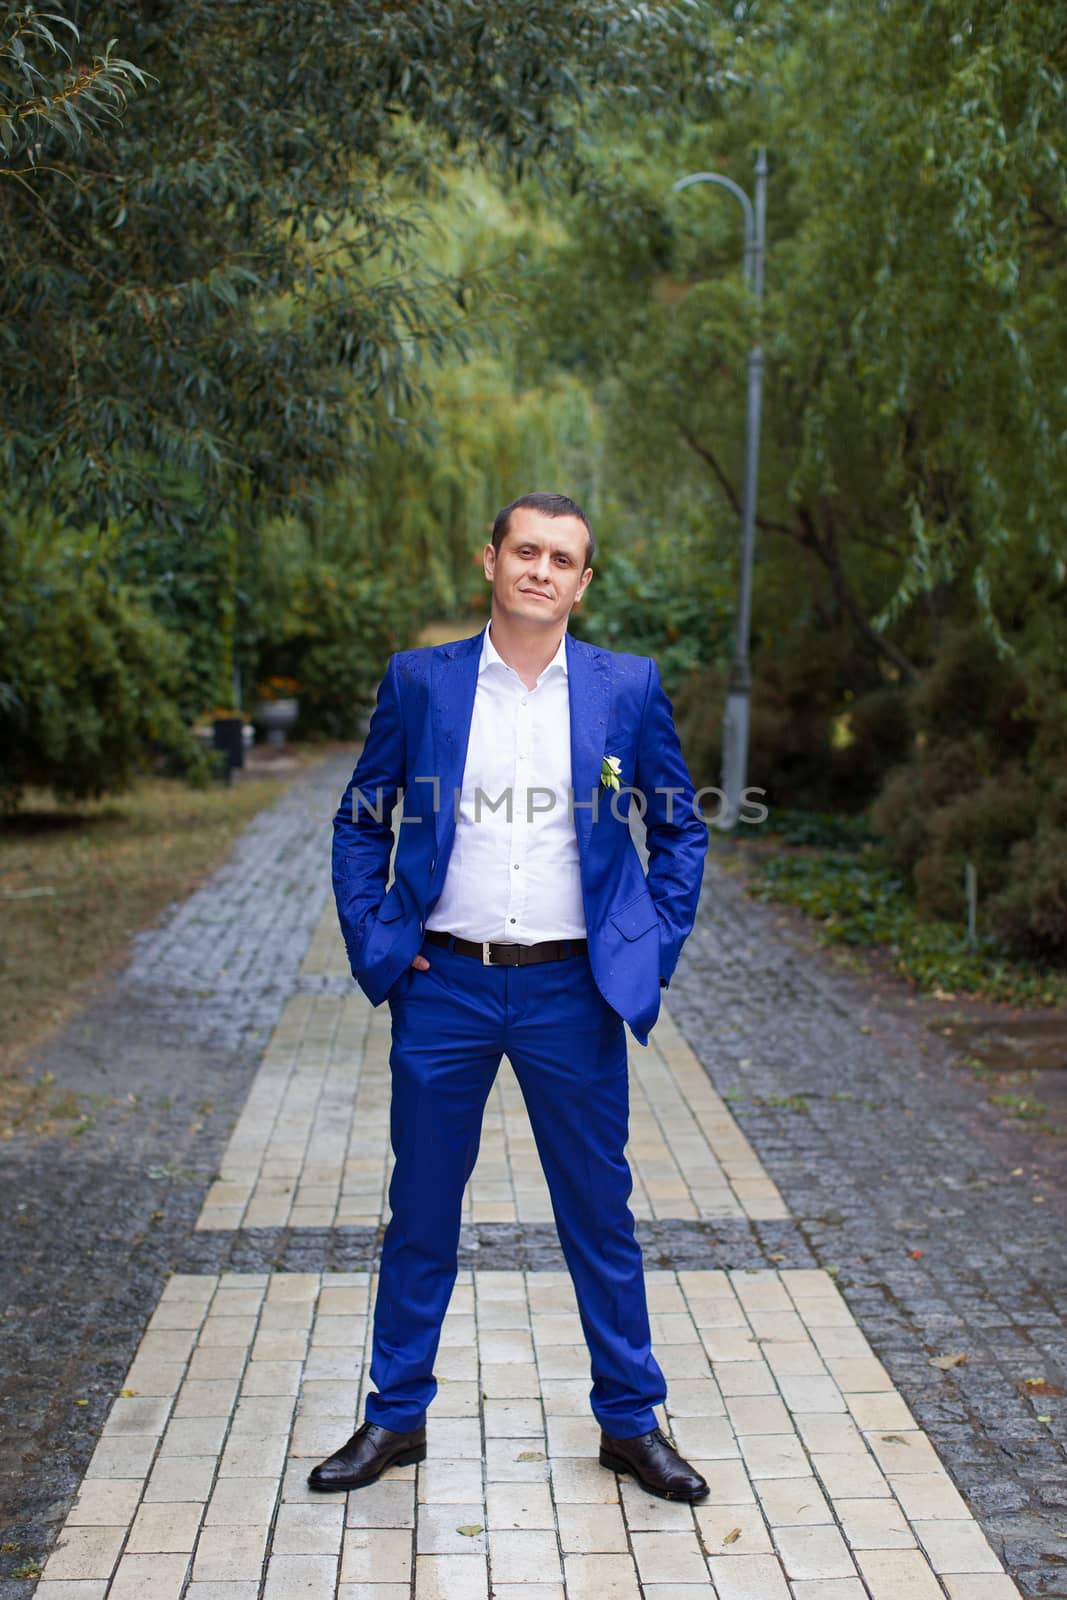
[858,902]
[77,883]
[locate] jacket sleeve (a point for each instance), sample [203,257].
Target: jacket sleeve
[676,834]
[362,827]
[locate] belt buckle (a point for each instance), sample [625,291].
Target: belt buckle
[486,960]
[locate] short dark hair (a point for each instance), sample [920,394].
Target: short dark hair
[548,505]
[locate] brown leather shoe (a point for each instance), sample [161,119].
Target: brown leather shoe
[365,1457]
[655,1463]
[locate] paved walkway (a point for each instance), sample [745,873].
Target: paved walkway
[826,1483]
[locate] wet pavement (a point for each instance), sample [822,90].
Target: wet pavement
[864,1152]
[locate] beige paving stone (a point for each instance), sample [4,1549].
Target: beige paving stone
[576,1481]
[695,1397]
[260,1457]
[194,1436]
[774,1455]
[381,1591]
[830,1434]
[859,1374]
[308,1530]
[376,1555]
[527,1591]
[741,1525]
[105,1502]
[150,1377]
[792,1502]
[813,1552]
[572,1436]
[710,1438]
[454,1482]
[451,1578]
[166,1527]
[456,1399]
[811,1395]
[828,1589]
[591,1529]
[206,1397]
[181,1478]
[64,1590]
[236,1501]
[757,1414]
[511,1380]
[956,1546]
[874,1524]
[162,1577]
[261,1415]
[454,1438]
[676,1361]
[439,1529]
[903,1451]
[230,1555]
[928,1495]
[517,1556]
[145,1414]
[519,1505]
[227,1332]
[728,1482]
[799,1358]
[220,1361]
[745,1377]
[729,1344]
[898,1575]
[741,1577]
[648,1513]
[301,1578]
[601,1577]
[973,1586]
[82,1553]
[669,1557]
[235,1590]
[389,1503]
[884,1413]
[849,1476]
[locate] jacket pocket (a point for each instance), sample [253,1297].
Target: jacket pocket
[636,917]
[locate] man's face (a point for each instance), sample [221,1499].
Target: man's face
[539,572]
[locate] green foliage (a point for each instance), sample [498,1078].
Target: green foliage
[87,675]
[858,902]
[824,830]
[230,287]
[56,98]
[329,619]
[658,596]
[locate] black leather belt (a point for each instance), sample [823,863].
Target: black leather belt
[507,955]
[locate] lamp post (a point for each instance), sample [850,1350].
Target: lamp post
[738,691]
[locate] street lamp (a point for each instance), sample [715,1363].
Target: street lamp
[739,686]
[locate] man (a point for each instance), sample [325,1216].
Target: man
[519,921]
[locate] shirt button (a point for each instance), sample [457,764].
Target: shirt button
[512,919]
[516,866]
[522,702]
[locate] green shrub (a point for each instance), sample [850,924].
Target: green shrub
[1031,910]
[330,622]
[979,826]
[88,677]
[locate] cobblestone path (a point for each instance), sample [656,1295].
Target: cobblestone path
[778,1209]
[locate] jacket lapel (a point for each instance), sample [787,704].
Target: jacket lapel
[453,681]
[589,688]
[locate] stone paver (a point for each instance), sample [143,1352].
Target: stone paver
[824,1482]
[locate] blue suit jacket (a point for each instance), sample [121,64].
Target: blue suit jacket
[417,742]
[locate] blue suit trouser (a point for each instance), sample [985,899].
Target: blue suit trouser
[451,1025]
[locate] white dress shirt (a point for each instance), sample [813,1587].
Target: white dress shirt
[514,873]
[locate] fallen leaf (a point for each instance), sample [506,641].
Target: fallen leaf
[732,1537]
[746,1061]
[531,1455]
[129,1394]
[1016,1172]
[470,1530]
[916,1255]
[1040,1386]
[951,1358]
[1044,1419]
[833,1271]
[777,1256]
[81,1402]
[893,1438]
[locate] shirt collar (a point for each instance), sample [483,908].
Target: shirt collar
[491,657]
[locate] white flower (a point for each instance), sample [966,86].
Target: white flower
[610,772]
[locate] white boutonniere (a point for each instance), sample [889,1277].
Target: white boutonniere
[610,772]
